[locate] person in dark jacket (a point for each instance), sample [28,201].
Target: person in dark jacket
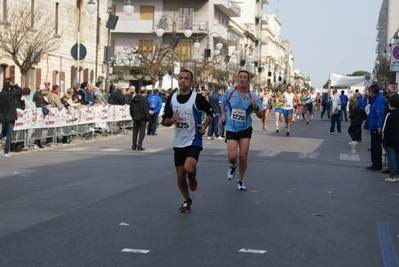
[390,140]
[375,119]
[355,115]
[118,98]
[140,115]
[8,110]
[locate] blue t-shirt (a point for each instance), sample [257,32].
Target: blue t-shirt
[344,100]
[238,110]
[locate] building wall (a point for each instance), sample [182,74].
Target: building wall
[57,66]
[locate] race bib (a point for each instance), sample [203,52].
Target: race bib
[287,106]
[153,104]
[238,115]
[182,124]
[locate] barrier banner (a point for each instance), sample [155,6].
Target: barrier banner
[34,118]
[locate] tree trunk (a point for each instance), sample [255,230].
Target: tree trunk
[23,80]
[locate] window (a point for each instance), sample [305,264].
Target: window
[146,12]
[56,16]
[184,50]
[186,13]
[146,46]
[4,10]
[32,13]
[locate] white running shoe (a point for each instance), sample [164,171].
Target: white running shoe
[220,138]
[353,143]
[311,117]
[231,173]
[241,186]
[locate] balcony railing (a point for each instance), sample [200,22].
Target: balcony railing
[235,7]
[196,25]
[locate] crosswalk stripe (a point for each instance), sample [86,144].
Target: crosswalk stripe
[268,153]
[153,150]
[111,150]
[352,157]
[75,149]
[308,155]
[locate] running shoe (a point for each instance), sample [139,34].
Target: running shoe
[192,183]
[394,179]
[276,130]
[6,155]
[307,122]
[353,143]
[288,134]
[231,173]
[311,117]
[241,186]
[220,138]
[186,206]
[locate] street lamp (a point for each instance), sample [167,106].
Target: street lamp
[187,32]
[128,9]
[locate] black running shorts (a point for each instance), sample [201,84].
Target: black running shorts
[247,133]
[182,153]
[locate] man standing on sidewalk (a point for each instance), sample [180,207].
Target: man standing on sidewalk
[154,106]
[335,112]
[344,103]
[140,116]
[376,119]
[214,101]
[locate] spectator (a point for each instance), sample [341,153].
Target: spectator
[131,93]
[355,128]
[214,100]
[25,96]
[55,90]
[52,99]
[118,97]
[344,103]
[375,118]
[88,98]
[140,115]
[154,106]
[390,141]
[8,112]
[42,104]
[38,91]
[97,95]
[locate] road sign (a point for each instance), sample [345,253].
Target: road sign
[82,52]
[367,80]
[394,62]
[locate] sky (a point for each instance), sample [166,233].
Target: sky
[329,36]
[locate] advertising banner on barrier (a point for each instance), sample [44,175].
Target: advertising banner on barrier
[34,118]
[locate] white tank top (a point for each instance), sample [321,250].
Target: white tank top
[266,102]
[289,104]
[186,130]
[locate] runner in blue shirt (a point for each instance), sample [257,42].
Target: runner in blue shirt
[237,106]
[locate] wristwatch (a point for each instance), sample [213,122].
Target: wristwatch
[206,125]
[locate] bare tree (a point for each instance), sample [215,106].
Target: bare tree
[206,69]
[152,64]
[27,36]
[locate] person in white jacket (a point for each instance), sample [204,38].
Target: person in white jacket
[335,113]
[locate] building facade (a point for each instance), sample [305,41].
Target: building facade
[71,23]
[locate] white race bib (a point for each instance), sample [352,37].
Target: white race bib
[238,115]
[182,124]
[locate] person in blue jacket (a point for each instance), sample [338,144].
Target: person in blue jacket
[154,106]
[344,104]
[375,120]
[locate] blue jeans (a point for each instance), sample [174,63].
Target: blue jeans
[214,127]
[393,160]
[6,130]
[355,131]
[335,119]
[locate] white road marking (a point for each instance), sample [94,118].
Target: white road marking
[221,152]
[132,250]
[75,149]
[349,157]
[246,250]
[111,150]
[124,224]
[153,150]
[308,155]
[268,153]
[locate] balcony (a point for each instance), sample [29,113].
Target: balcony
[134,26]
[221,30]
[198,26]
[266,2]
[265,19]
[259,13]
[228,7]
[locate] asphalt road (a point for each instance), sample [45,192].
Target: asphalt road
[309,202]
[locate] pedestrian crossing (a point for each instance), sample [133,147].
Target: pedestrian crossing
[223,152]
